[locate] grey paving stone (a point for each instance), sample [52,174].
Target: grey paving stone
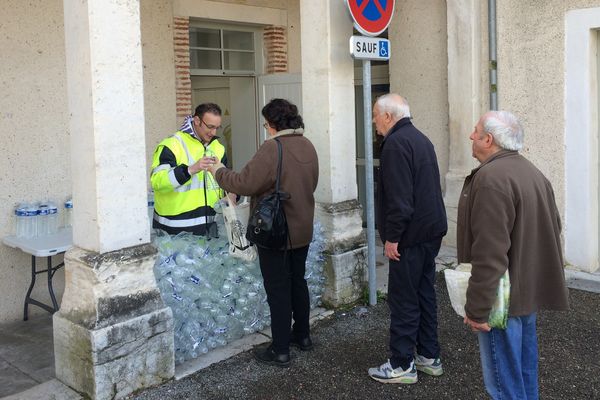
[41,325]
[12,380]
[51,390]
[27,353]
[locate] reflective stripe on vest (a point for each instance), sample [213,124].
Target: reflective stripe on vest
[161,167]
[195,184]
[173,179]
[183,223]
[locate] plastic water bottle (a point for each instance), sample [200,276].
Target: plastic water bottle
[68,213]
[31,213]
[52,218]
[42,220]
[209,153]
[21,220]
[150,207]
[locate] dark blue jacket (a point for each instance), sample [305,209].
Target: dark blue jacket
[409,196]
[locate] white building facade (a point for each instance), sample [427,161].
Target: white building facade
[91,87]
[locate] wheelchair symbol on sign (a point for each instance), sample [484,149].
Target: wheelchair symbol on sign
[383,49]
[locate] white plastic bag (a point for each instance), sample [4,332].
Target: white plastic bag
[457,281]
[236,220]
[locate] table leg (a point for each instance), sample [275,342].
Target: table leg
[27,298]
[50,289]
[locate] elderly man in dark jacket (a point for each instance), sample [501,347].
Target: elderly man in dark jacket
[507,219]
[411,219]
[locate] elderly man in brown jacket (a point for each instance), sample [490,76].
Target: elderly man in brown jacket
[507,219]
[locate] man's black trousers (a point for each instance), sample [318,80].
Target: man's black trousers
[287,294]
[412,302]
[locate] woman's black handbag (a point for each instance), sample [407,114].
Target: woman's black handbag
[267,226]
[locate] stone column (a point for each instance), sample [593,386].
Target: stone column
[113,334]
[328,106]
[464,98]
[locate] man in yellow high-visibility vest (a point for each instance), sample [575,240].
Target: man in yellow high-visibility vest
[184,191]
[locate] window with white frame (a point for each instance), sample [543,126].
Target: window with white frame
[223,50]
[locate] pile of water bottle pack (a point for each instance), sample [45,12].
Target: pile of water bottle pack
[41,219]
[216,298]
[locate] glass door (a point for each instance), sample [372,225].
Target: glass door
[224,63]
[376,91]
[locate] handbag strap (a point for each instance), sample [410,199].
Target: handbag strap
[279,161]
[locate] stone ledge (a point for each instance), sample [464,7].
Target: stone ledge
[346,277]
[589,282]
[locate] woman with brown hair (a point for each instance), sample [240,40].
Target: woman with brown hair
[282,268]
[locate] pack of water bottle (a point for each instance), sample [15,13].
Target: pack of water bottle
[150,207]
[216,298]
[39,219]
[315,262]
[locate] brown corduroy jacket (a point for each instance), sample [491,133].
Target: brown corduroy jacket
[507,218]
[299,177]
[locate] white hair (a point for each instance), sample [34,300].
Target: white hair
[505,128]
[394,104]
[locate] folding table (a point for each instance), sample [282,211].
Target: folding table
[42,246]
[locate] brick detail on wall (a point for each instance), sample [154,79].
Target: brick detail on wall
[276,48]
[183,82]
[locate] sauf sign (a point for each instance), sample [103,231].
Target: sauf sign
[367,48]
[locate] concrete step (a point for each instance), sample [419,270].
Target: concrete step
[590,282]
[51,390]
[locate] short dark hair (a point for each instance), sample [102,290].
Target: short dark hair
[207,108]
[281,114]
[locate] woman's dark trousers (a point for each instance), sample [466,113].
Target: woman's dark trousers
[287,294]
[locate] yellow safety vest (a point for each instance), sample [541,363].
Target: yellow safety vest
[183,206]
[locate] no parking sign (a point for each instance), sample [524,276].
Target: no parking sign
[371,17]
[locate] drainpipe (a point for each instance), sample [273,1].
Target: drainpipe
[493,56]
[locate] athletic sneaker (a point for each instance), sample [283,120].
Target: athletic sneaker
[386,374]
[431,366]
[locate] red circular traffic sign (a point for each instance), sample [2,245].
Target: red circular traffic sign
[371,17]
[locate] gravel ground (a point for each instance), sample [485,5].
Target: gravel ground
[350,341]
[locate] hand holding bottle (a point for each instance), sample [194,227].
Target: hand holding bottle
[202,164]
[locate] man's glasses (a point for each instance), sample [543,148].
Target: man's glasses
[266,125]
[211,127]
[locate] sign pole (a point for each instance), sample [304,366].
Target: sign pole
[368,130]
[370,21]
